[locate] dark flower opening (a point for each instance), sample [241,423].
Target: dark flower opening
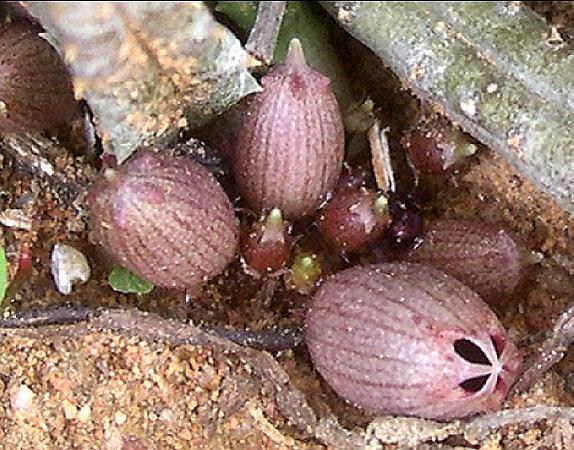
[473,385]
[470,351]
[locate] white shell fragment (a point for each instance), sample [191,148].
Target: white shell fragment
[16,218]
[69,265]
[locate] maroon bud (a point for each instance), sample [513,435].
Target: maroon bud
[354,219]
[291,143]
[166,219]
[35,88]
[408,339]
[266,245]
[481,255]
[434,145]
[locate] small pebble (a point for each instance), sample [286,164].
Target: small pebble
[84,413]
[70,410]
[69,266]
[22,399]
[120,418]
[167,415]
[16,218]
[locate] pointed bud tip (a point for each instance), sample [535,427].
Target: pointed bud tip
[465,150]
[381,203]
[275,218]
[307,261]
[295,54]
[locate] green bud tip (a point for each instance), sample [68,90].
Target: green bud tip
[274,218]
[381,204]
[463,151]
[307,261]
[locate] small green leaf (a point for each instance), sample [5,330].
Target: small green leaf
[3,274]
[242,13]
[122,280]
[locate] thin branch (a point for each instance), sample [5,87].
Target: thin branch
[292,404]
[152,327]
[29,152]
[270,339]
[263,37]
[61,315]
[410,432]
[147,69]
[331,433]
[37,155]
[551,351]
[479,428]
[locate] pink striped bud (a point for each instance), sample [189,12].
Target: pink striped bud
[290,147]
[408,339]
[166,219]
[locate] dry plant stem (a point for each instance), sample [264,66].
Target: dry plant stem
[271,340]
[411,432]
[331,433]
[551,351]
[381,158]
[543,67]
[56,316]
[263,36]
[479,428]
[28,151]
[488,67]
[147,69]
[408,432]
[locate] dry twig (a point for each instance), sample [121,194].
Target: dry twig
[490,68]
[409,432]
[147,69]
[263,37]
[38,156]
[551,351]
